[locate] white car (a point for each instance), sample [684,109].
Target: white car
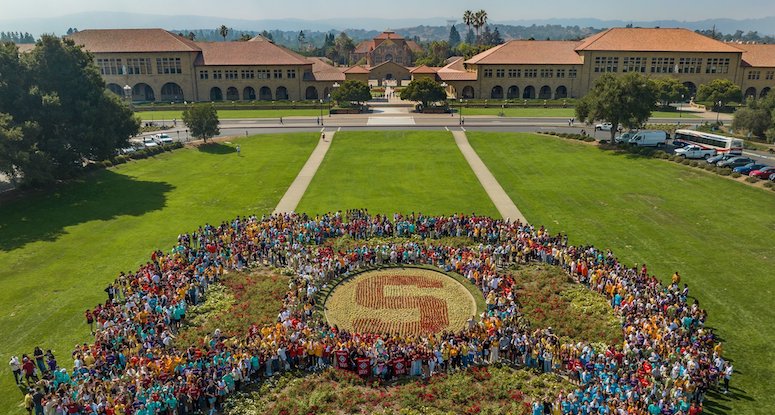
[149,142]
[695,152]
[163,139]
[606,126]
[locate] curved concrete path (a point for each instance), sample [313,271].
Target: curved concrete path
[293,195]
[502,201]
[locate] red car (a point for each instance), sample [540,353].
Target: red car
[763,174]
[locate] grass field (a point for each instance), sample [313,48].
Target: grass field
[232,114]
[718,233]
[549,112]
[396,171]
[58,249]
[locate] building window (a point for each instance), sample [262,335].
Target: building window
[547,73]
[634,64]
[754,75]
[561,73]
[204,75]
[769,75]
[500,73]
[662,65]
[606,64]
[488,73]
[291,73]
[247,74]
[231,74]
[531,73]
[138,66]
[278,74]
[218,74]
[690,65]
[168,66]
[262,74]
[515,73]
[110,66]
[717,65]
[572,73]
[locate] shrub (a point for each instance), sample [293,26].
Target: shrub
[769,184]
[106,163]
[723,171]
[589,139]
[679,159]
[736,174]
[686,162]
[694,163]
[752,179]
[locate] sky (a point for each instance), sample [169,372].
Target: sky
[498,10]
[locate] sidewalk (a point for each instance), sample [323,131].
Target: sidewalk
[502,201]
[295,192]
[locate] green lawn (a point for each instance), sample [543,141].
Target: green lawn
[396,171]
[548,112]
[718,233]
[231,114]
[58,249]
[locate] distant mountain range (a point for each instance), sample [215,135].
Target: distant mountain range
[111,20]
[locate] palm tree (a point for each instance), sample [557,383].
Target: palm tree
[468,18]
[480,21]
[223,31]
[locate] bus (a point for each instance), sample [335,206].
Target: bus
[717,142]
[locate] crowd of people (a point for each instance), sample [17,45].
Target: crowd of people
[665,365]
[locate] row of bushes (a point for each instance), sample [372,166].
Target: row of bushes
[137,155]
[571,136]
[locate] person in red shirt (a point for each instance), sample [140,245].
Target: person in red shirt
[29,369]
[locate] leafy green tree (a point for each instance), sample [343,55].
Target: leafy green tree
[435,54]
[202,120]
[623,101]
[454,37]
[425,90]
[669,90]
[470,37]
[344,47]
[719,92]
[757,117]
[351,91]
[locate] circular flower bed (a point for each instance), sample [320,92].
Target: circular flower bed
[405,301]
[666,362]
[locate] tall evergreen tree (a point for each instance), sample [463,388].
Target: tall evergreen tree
[454,37]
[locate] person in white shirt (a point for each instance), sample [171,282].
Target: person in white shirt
[16,369]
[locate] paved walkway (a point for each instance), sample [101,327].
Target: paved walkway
[293,195]
[502,201]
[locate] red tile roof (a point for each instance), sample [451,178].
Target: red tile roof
[324,71]
[132,40]
[256,52]
[530,52]
[455,71]
[368,45]
[357,69]
[653,40]
[424,69]
[761,56]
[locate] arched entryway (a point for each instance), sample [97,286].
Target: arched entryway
[513,92]
[497,92]
[561,92]
[116,89]
[171,92]
[545,93]
[143,92]
[249,94]
[232,94]
[265,94]
[216,94]
[529,92]
[311,93]
[281,93]
[691,88]
[468,92]
[765,91]
[750,93]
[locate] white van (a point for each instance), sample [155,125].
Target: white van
[649,138]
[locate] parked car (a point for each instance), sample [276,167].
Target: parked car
[680,143]
[694,151]
[149,142]
[736,161]
[772,177]
[163,139]
[606,126]
[720,157]
[763,173]
[649,138]
[624,137]
[748,168]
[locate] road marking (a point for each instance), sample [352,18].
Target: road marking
[323,129]
[757,155]
[386,121]
[463,128]
[339,129]
[446,128]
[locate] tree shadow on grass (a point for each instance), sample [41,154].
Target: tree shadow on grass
[217,148]
[43,215]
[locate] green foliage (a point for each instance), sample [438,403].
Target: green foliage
[670,89]
[58,114]
[351,91]
[719,92]
[758,117]
[425,90]
[202,120]
[454,37]
[621,100]
[435,54]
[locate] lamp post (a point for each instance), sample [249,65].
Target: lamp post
[718,111]
[461,111]
[335,85]
[128,95]
[680,106]
[320,119]
[444,85]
